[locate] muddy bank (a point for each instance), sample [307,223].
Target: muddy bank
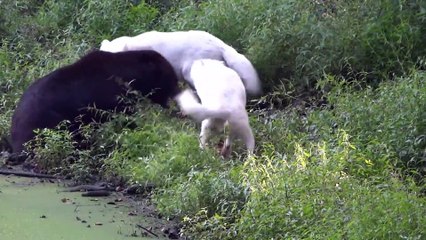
[33,208]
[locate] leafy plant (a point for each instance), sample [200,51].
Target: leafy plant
[339,131]
[52,149]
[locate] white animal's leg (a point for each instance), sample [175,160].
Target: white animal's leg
[240,128]
[233,133]
[248,138]
[226,149]
[206,128]
[245,132]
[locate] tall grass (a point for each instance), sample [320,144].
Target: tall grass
[314,198]
[347,165]
[335,172]
[297,41]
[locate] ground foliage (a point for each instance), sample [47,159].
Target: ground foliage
[340,131]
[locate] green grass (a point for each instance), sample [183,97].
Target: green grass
[388,121]
[340,131]
[295,41]
[312,196]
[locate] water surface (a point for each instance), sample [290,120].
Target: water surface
[38,210]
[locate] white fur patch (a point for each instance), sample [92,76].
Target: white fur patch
[223,101]
[182,48]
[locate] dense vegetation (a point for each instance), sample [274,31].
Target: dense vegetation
[340,131]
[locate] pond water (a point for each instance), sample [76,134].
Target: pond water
[36,209]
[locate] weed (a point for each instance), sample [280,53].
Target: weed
[340,131]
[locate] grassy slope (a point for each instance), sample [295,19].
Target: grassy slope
[350,169]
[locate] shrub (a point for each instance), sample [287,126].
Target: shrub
[158,150]
[339,168]
[38,37]
[211,190]
[88,21]
[295,42]
[51,149]
[388,121]
[311,196]
[317,173]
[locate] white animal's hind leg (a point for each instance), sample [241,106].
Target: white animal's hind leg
[226,149]
[243,130]
[239,128]
[205,133]
[248,138]
[208,127]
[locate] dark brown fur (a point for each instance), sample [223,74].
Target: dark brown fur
[97,79]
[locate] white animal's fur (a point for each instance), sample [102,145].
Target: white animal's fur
[181,48]
[223,101]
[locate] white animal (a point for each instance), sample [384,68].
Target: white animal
[223,101]
[182,48]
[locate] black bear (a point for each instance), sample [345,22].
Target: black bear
[97,79]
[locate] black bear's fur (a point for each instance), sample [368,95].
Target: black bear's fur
[97,79]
